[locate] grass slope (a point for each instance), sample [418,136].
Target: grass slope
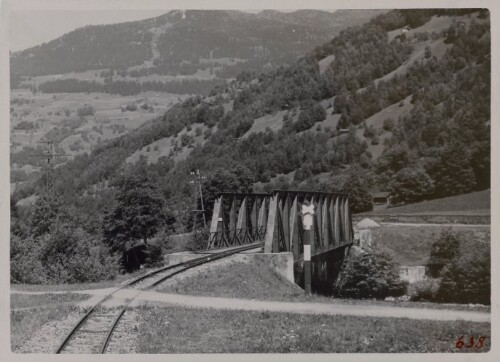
[41,309]
[251,278]
[171,330]
[165,146]
[411,245]
[474,203]
[38,300]
[394,111]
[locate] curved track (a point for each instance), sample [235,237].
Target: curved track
[93,331]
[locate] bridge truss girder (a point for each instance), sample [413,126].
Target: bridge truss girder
[275,218]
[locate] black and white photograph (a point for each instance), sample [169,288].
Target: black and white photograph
[204,180]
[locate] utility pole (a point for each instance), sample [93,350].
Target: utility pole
[196,180]
[49,155]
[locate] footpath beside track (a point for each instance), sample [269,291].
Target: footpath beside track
[164,299]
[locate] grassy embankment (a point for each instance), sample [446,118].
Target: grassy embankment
[166,330]
[258,280]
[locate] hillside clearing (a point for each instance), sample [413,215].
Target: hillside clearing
[325,63]
[272,121]
[437,24]
[438,49]
[171,146]
[394,111]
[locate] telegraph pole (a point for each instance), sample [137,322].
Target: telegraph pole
[49,155]
[196,180]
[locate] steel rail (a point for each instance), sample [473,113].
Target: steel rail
[187,265]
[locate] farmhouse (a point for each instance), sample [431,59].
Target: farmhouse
[381,198]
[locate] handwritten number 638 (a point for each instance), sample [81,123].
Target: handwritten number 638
[460,342]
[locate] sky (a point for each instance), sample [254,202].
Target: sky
[29,28]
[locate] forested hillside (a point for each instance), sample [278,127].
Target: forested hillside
[439,146]
[186,43]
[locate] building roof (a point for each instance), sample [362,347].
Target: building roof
[384,194]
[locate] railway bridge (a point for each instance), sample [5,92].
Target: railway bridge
[277,220]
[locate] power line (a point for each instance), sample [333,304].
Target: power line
[49,153]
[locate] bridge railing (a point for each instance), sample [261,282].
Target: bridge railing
[275,218]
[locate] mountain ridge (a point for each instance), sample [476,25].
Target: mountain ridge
[95,46]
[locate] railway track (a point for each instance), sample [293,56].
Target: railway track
[94,330]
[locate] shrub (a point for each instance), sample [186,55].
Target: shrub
[466,278]
[86,110]
[443,251]
[71,255]
[198,239]
[154,254]
[187,140]
[388,124]
[25,263]
[424,290]
[208,133]
[132,107]
[369,132]
[463,266]
[369,273]
[308,117]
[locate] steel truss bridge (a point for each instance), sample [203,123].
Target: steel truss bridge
[275,219]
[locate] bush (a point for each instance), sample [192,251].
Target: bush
[466,278]
[71,255]
[443,251]
[369,273]
[25,263]
[424,290]
[154,254]
[132,107]
[308,117]
[86,110]
[388,124]
[463,266]
[198,240]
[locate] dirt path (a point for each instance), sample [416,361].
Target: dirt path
[162,299]
[156,298]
